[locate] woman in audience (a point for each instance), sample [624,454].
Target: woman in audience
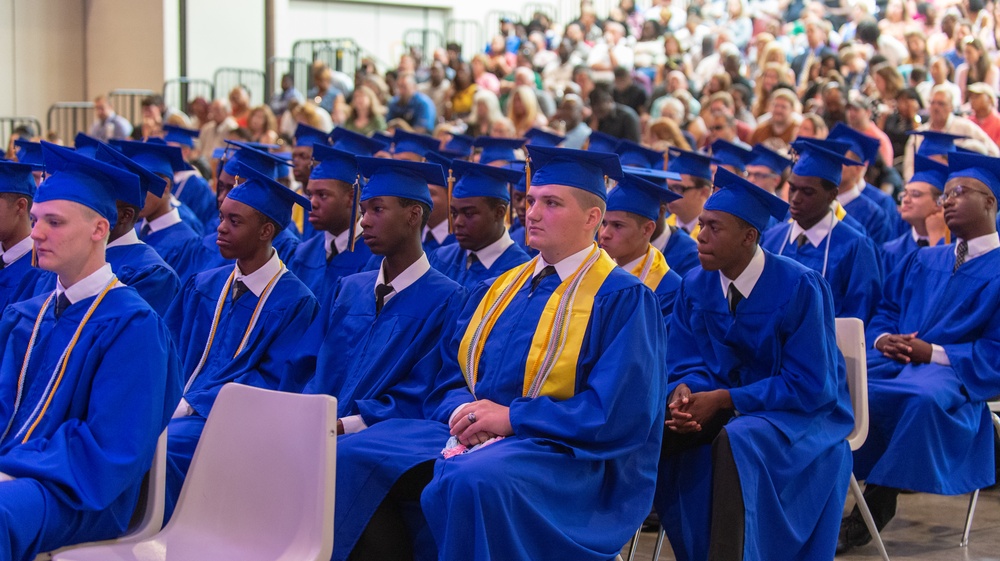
[263,125]
[978,67]
[461,95]
[813,126]
[664,133]
[523,111]
[367,113]
[485,80]
[485,111]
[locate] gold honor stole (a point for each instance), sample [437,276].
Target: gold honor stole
[651,270]
[555,348]
[672,221]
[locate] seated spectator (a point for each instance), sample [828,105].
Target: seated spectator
[485,112]
[614,52]
[461,94]
[901,121]
[413,107]
[983,102]
[213,133]
[108,124]
[664,133]
[627,92]
[279,101]
[613,118]
[569,121]
[484,79]
[523,111]
[978,67]
[263,126]
[239,105]
[437,87]
[367,115]
[784,116]
[323,93]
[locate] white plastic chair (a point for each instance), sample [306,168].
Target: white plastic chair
[149,510]
[994,409]
[260,487]
[851,342]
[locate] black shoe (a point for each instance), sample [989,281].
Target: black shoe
[853,533]
[652,523]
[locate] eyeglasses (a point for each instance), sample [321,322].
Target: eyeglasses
[912,194]
[760,175]
[958,192]
[681,189]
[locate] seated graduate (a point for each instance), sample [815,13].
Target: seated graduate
[758,397]
[769,170]
[479,207]
[921,212]
[30,153]
[495,151]
[415,148]
[633,207]
[527,397]
[175,159]
[518,194]
[240,323]
[932,361]
[20,278]
[88,375]
[816,238]
[135,263]
[190,187]
[694,187]
[379,325]
[841,132]
[681,252]
[162,227]
[731,157]
[322,260]
[302,163]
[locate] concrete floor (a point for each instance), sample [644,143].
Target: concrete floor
[926,528]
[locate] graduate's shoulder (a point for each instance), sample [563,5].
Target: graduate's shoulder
[436,288]
[620,281]
[784,275]
[290,288]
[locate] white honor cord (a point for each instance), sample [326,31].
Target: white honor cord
[826,253]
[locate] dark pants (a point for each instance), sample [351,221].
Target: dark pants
[388,537]
[728,510]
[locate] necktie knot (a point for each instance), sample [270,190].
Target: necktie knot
[923,242]
[961,252]
[471,260]
[62,302]
[429,237]
[734,296]
[381,291]
[545,272]
[801,240]
[2,263]
[239,289]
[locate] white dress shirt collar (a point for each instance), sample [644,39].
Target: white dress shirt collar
[440,232]
[167,220]
[91,285]
[661,241]
[747,280]
[981,246]
[257,280]
[130,238]
[851,194]
[568,265]
[817,233]
[403,280]
[17,251]
[489,254]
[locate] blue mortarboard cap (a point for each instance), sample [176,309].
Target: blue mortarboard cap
[633,154]
[601,142]
[180,135]
[384,139]
[575,168]
[93,184]
[440,159]
[334,164]
[399,178]
[694,164]
[522,181]
[815,160]
[307,136]
[936,143]
[479,180]
[17,178]
[162,159]
[728,154]
[29,152]
[927,170]
[149,182]
[220,153]
[763,156]
[657,176]
[260,160]
[266,195]
[976,166]
[538,137]
[86,145]
[460,146]
[640,196]
[739,197]
[863,145]
[498,149]
[419,144]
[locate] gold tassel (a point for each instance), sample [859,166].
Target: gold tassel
[353,228]
[527,188]
[451,185]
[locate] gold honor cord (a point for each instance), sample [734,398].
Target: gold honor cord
[220,303]
[58,372]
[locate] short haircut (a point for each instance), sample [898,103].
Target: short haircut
[587,201]
[12,198]
[265,219]
[424,208]
[747,226]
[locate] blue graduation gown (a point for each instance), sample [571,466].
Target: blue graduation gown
[930,427]
[888,206]
[190,218]
[181,248]
[432,243]
[310,265]
[894,251]
[666,294]
[853,268]
[195,193]
[778,358]
[450,260]
[139,266]
[873,218]
[681,252]
[80,473]
[522,497]
[21,281]
[377,365]
[283,320]
[517,234]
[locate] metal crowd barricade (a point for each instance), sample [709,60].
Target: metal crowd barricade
[178,92]
[425,41]
[225,79]
[279,66]
[549,10]
[467,33]
[66,118]
[8,124]
[128,103]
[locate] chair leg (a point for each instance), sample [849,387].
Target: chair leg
[659,544]
[867,515]
[968,518]
[635,544]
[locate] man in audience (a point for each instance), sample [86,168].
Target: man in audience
[74,452]
[108,124]
[216,130]
[570,114]
[412,106]
[983,101]
[754,463]
[615,119]
[921,212]
[932,358]
[943,120]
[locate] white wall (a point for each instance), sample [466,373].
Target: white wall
[125,45]
[224,33]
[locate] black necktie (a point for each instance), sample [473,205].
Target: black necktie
[333,252]
[239,289]
[429,237]
[145,230]
[923,243]
[470,261]
[547,271]
[734,296]
[961,252]
[2,263]
[381,291]
[62,302]
[801,240]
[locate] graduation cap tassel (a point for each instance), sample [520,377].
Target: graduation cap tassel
[527,188]
[34,257]
[451,185]
[355,195]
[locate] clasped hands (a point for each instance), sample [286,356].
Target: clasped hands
[689,411]
[479,421]
[905,348]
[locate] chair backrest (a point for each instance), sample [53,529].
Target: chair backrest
[262,476]
[148,517]
[851,342]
